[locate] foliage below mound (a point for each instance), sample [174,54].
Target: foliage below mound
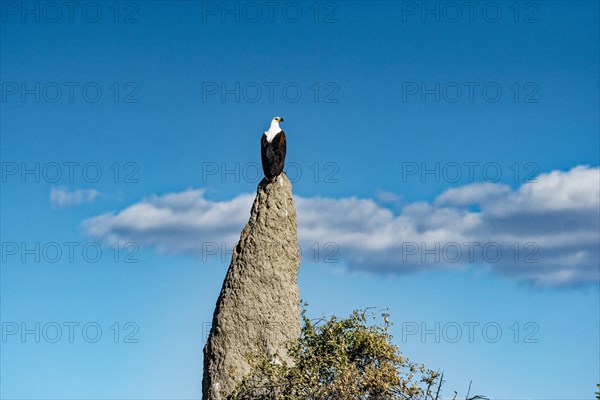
[339,359]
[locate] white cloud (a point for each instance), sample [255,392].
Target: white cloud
[63,197]
[175,222]
[545,232]
[473,194]
[387,197]
[577,189]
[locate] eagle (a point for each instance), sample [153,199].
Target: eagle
[272,150]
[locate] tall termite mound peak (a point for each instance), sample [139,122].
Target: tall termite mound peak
[259,305]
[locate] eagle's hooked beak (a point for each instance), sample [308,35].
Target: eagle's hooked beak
[280,119]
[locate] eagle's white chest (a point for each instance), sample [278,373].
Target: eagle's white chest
[274,129]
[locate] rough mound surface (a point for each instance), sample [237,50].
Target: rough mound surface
[259,304]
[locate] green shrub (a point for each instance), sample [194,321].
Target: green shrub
[347,359]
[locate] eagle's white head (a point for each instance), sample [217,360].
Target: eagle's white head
[275,121]
[274,129]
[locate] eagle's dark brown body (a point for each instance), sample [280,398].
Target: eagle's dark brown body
[273,155]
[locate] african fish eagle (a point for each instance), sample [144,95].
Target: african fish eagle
[272,149]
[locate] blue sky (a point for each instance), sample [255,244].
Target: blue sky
[417,132]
